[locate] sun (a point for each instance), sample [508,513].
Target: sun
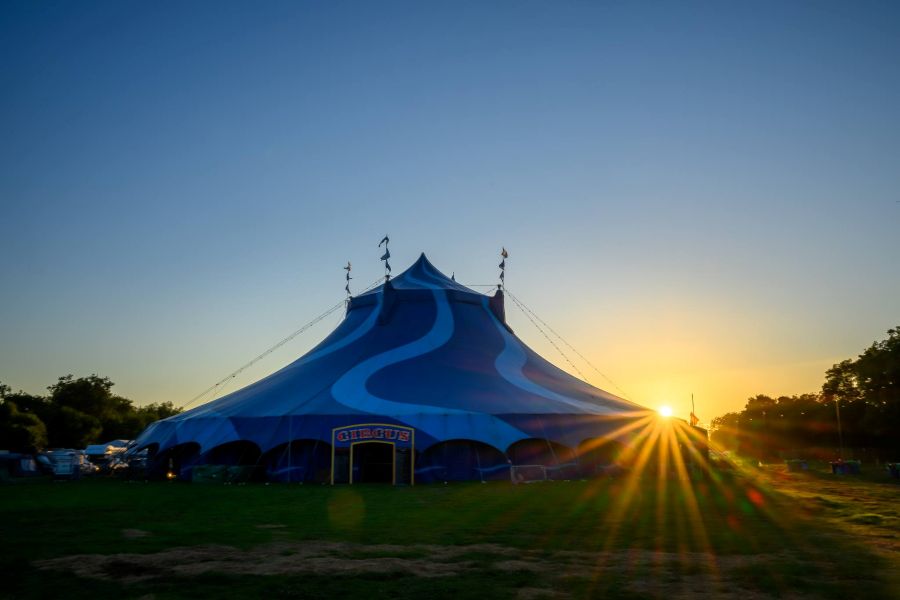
[665,411]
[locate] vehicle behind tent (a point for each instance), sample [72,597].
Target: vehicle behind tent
[102,455]
[69,464]
[13,464]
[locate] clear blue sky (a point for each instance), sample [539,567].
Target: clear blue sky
[701,196]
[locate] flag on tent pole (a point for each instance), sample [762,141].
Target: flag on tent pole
[387,255]
[348,268]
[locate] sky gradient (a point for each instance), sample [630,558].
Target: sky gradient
[701,197]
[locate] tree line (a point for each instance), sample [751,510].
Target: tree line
[75,413]
[862,394]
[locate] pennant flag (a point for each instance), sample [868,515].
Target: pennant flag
[347,287]
[502,265]
[694,420]
[385,257]
[504,253]
[501,276]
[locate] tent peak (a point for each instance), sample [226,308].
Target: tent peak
[422,274]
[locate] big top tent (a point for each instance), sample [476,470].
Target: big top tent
[423,380]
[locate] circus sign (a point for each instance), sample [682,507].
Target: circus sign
[373,432]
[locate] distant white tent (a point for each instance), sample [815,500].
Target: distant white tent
[107,450]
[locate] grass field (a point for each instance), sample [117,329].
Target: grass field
[764,534]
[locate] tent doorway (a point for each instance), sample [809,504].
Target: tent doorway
[372,462]
[373,453]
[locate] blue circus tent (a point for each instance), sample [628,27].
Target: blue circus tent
[423,380]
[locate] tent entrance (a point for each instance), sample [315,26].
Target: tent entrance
[372,462]
[373,453]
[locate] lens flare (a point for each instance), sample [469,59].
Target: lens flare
[665,411]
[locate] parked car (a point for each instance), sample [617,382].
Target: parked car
[70,464]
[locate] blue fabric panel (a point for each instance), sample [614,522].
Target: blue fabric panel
[306,462]
[543,373]
[571,430]
[237,452]
[461,374]
[461,460]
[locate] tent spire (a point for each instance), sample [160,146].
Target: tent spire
[386,257]
[504,254]
[347,287]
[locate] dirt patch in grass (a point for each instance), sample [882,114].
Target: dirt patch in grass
[530,593]
[124,569]
[646,573]
[134,534]
[520,565]
[271,559]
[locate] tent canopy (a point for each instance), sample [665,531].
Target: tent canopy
[421,351]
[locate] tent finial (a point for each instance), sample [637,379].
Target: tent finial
[502,265]
[347,287]
[386,257]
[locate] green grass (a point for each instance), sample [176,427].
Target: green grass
[769,533]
